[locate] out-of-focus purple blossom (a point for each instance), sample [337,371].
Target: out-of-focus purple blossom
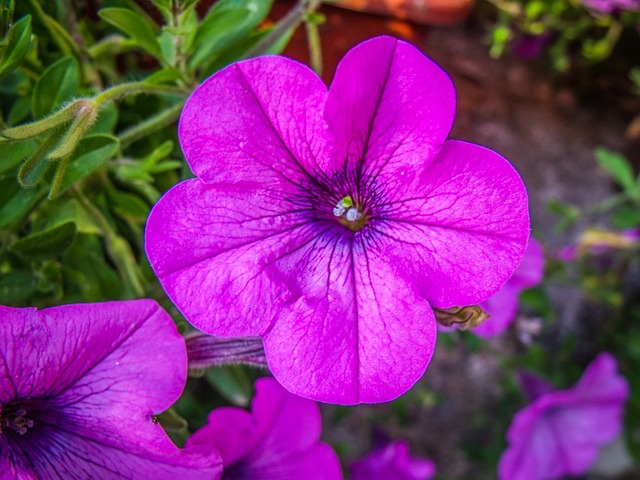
[561,432]
[277,440]
[503,306]
[530,47]
[598,242]
[392,462]
[331,222]
[607,7]
[79,388]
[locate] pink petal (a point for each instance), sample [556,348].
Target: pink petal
[389,108]
[90,378]
[278,440]
[212,247]
[461,227]
[257,121]
[356,325]
[561,432]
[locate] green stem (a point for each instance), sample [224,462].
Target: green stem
[117,248]
[289,22]
[150,125]
[134,88]
[315,49]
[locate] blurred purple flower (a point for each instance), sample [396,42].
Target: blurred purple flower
[596,241]
[560,432]
[278,440]
[79,385]
[503,306]
[607,7]
[530,47]
[392,462]
[329,223]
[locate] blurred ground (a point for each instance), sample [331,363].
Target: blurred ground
[549,134]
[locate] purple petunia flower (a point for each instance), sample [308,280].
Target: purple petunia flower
[278,440]
[607,7]
[79,385]
[560,432]
[329,223]
[503,306]
[392,462]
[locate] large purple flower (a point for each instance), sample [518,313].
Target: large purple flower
[329,223]
[79,385]
[278,440]
[392,462]
[560,432]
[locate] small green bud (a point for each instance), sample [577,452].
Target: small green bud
[33,129]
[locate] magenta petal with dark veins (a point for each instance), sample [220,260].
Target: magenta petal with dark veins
[79,385]
[328,222]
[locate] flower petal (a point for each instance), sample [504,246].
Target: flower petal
[279,440]
[257,121]
[503,305]
[389,109]
[358,333]
[90,378]
[60,455]
[561,432]
[460,228]
[212,248]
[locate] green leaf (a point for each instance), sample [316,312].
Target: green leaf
[617,166]
[61,37]
[626,216]
[18,202]
[16,287]
[128,205]
[138,27]
[12,153]
[47,243]
[20,110]
[18,41]
[164,76]
[228,22]
[90,155]
[232,382]
[107,120]
[58,83]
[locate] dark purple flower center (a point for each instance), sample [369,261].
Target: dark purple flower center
[14,417]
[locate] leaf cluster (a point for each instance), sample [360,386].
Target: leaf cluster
[89,101]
